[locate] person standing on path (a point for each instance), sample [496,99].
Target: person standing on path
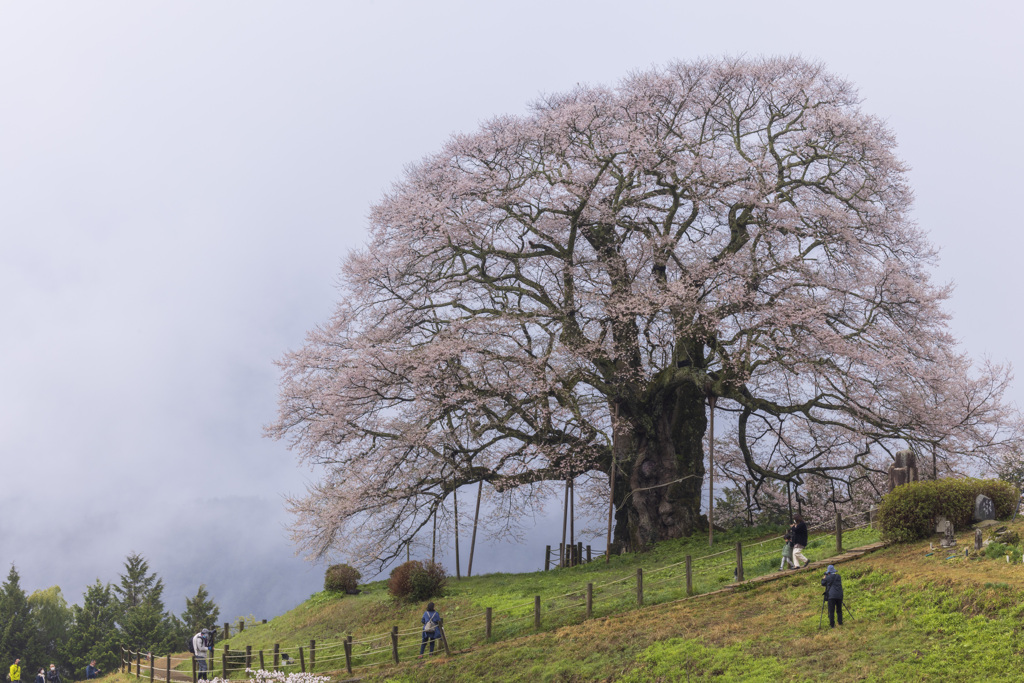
[53,676]
[833,584]
[200,648]
[91,671]
[431,621]
[14,676]
[799,531]
[41,676]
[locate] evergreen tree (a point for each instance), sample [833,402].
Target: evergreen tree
[94,634]
[15,627]
[200,611]
[143,625]
[138,585]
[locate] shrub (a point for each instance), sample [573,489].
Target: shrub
[341,577]
[909,512]
[431,582]
[417,581]
[400,581]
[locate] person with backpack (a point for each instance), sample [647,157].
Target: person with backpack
[14,676]
[431,621]
[53,676]
[833,584]
[199,648]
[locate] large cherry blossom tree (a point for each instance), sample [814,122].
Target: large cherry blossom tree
[573,288]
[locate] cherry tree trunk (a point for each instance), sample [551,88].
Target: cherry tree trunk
[662,448]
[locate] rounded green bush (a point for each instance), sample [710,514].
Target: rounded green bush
[417,580]
[910,511]
[341,577]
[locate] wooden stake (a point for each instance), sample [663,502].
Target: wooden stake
[487,618]
[689,575]
[639,587]
[565,521]
[394,643]
[590,600]
[476,518]
[711,458]
[458,567]
[536,611]
[348,657]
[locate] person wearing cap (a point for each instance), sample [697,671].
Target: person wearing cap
[199,642]
[833,584]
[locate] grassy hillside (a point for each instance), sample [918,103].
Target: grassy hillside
[917,616]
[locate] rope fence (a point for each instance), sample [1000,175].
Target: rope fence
[666,584]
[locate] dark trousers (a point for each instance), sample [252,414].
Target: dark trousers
[433,636]
[835,609]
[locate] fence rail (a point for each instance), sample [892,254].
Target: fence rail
[658,585]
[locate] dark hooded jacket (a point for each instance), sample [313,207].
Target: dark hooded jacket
[833,584]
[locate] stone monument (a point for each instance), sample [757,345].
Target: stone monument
[984,508]
[903,470]
[948,537]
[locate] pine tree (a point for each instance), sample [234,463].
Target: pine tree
[141,619]
[94,634]
[200,611]
[15,627]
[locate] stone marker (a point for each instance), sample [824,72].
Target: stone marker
[977,539]
[940,524]
[984,508]
[948,537]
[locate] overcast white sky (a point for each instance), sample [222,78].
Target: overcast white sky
[179,181]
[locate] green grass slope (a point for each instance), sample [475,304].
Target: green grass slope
[917,615]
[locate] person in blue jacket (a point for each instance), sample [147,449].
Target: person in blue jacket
[833,584]
[431,621]
[91,671]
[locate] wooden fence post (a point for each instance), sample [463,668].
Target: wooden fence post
[248,656]
[639,587]
[739,561]
[536,611]
[312,654]
[348,657]
[487,617]
[588,554]
[168,672]
[138,664]
[227,630]
[241,625]
[209,659]
[579,553]
[689,575]
[277,655]
[262,665]
[193,669]
[224,663]
[590,600]
[394,643]
[264,621]
[150,667]
[547,557]
[839,531]
[302,660]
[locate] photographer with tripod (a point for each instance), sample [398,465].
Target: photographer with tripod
[833,595]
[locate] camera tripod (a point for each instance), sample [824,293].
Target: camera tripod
[842,606]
